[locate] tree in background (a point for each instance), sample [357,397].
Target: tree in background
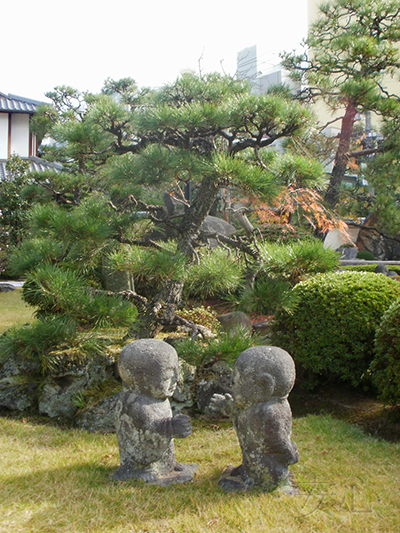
[125,150]
[350,50]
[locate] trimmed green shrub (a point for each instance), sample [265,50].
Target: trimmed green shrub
[330,332]
[369,268]
[385,368]
[365,254]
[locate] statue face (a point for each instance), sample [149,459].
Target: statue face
[153,376]
[167,382]
[250,387]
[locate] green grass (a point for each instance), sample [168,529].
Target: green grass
[13,310]
[58,480]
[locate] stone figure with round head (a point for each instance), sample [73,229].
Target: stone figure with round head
[143,416]
[263,376]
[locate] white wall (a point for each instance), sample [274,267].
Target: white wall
[3,135]
[20,134]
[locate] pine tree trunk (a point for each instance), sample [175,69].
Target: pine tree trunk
[195,215]
[160,311]
[340,164]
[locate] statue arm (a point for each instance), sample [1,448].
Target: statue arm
[176,426]
[222,403]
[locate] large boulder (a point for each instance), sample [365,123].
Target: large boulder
[217,225]
[69,378]
[236,320]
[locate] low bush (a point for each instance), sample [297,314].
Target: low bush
[226,347]
[202,316]
[366,255]
[385,367]
[367,267]
[330,331]
[266,296]
[284,265]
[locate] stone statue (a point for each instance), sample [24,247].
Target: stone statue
[143,417]
[262,378]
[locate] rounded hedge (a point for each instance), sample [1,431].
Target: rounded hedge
[330,331]
[385,367]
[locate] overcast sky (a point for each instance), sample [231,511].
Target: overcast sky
[80,43]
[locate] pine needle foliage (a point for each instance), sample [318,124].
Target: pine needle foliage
[219,273]
[226,347]
[38,339]
[54,290]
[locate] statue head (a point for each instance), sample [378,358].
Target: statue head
[261,373]
[149,366]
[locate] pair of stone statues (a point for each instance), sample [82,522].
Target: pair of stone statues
[263,376]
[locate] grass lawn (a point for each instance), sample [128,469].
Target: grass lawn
[58,480]
[13,311]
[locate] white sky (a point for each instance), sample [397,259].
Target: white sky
[80,43]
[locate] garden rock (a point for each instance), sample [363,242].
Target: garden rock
[17,365]
[182,399]
[218,381]
[217,225]
[99,418]
[234,321]
[348,253]
[69,379]
[262,378]
[381,269]
[59,396]
[18,392]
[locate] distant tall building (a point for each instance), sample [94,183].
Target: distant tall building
[261,80]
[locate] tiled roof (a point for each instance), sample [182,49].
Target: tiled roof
[17,104]
[37,165]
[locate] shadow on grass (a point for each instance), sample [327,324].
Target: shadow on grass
[84,496]
[348,404]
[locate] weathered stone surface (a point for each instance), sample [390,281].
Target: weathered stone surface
[58,396]
[348,253]
[218,381]
[263,376]
[235,320]
[16,365]
[262,327]
[182,399]
[217,225]
[69,378]
[101,417]
[18,392]
[143,416]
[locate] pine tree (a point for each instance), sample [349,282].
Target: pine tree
[126,149]
[350,50]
